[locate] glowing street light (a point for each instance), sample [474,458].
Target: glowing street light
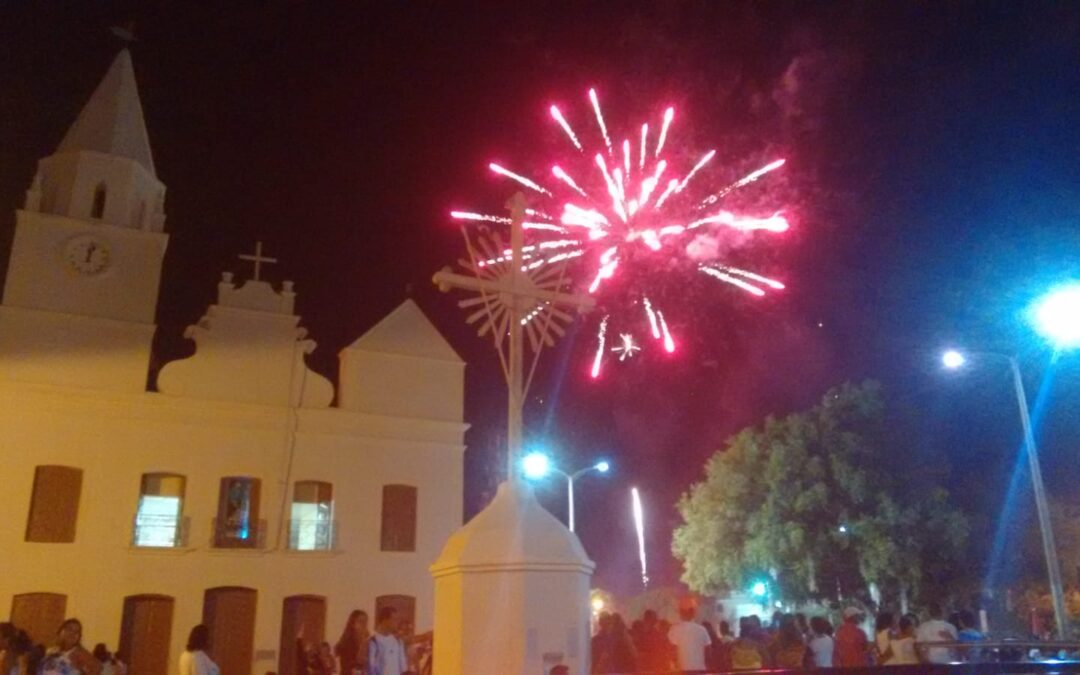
[537,465]
[1057,316]
[759,589]
[953,359]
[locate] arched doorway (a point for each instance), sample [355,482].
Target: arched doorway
[229,613]
[303,619]
[144,633]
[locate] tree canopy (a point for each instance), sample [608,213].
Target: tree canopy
[821,503]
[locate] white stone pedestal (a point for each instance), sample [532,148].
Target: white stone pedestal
[512,592]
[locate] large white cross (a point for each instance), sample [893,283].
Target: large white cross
[258,258]
[523,295]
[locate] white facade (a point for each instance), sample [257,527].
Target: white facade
[76,327]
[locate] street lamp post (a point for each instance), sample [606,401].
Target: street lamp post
[1057,316]
[537,465]
[953,359]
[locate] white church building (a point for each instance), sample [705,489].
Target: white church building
[244,492]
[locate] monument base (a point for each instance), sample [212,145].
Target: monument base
[512,592]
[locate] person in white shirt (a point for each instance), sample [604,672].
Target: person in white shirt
[194,660]
[386,653]
[691,640]
[821,642]
[936,629]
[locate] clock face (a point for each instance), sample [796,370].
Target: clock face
[86,254]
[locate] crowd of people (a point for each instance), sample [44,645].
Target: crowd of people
[389,649]
[789,641]
[20,655]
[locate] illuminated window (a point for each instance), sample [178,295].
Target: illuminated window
[312,520]
[161,509]
[98,208]
[399,518]
[237,523]
[54,506]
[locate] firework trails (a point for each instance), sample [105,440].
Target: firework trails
[616,208]
[639,525]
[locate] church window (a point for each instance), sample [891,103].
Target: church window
[54,506]
[98,208]
[159,519]
[237,523]
[311,525]
[399,518]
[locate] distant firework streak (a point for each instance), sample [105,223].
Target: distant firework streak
[611,199]
[639,525]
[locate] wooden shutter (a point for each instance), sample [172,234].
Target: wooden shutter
[54,507]
[399,518]
[39,614]
[313,492]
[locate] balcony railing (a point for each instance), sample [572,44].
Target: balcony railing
[312,534]
[155,531]
[250,535]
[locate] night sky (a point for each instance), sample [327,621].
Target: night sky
[933,184]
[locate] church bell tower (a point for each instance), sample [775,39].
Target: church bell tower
[82,282]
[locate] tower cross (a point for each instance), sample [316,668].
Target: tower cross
[257,258]
[522,295]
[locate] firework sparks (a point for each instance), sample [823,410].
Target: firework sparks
[558,117]
[669,115]
[600,118]
[639,526]
[652,319]
[616,207]
[669,344]
[753,176]
[532,185]
[697,167]
[732,276]
[627,348]
[644,144]
[599,358]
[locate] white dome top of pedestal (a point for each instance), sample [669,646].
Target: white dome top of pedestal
[513,532]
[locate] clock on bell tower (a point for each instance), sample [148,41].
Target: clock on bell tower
[82,282]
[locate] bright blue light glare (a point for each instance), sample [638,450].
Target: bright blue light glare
[602,467]
[759,589]
[536,465]
[952,359]
[1057,316]
[843,529]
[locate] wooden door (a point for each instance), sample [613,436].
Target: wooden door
[303,618]
[406,610]
[229,613]
[145,632]
[39,614]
